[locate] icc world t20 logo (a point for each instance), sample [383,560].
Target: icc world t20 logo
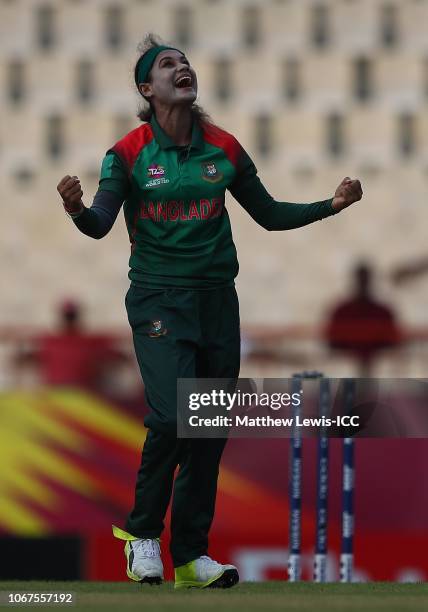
[156,174]
[155,170]
[210,172]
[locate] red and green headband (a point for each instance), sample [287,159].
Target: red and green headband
[146,61]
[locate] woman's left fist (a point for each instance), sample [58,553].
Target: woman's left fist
[348,192]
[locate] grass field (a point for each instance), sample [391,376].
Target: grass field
[263,596]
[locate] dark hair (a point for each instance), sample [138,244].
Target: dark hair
[145,112]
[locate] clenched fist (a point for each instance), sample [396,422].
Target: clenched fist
[71,192]
[347,193]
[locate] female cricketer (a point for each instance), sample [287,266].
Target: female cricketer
[171,174]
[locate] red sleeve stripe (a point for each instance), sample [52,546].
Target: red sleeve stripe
[129,147]
[219,138]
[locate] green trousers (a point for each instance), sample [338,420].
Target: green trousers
[179,333]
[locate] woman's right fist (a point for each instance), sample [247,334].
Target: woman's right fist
[71,192]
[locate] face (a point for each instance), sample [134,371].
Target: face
[172,80]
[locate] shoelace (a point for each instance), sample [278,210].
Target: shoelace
[147,548]
[206,558]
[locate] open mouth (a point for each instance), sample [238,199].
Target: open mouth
[184,81]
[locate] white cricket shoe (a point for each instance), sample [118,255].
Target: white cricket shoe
[205,572]
[144,563]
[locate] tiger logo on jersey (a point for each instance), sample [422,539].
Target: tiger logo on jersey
[157,329]
[210,172]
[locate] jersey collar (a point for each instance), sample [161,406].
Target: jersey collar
[165,142]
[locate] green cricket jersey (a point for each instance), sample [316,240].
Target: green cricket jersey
[174,204]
